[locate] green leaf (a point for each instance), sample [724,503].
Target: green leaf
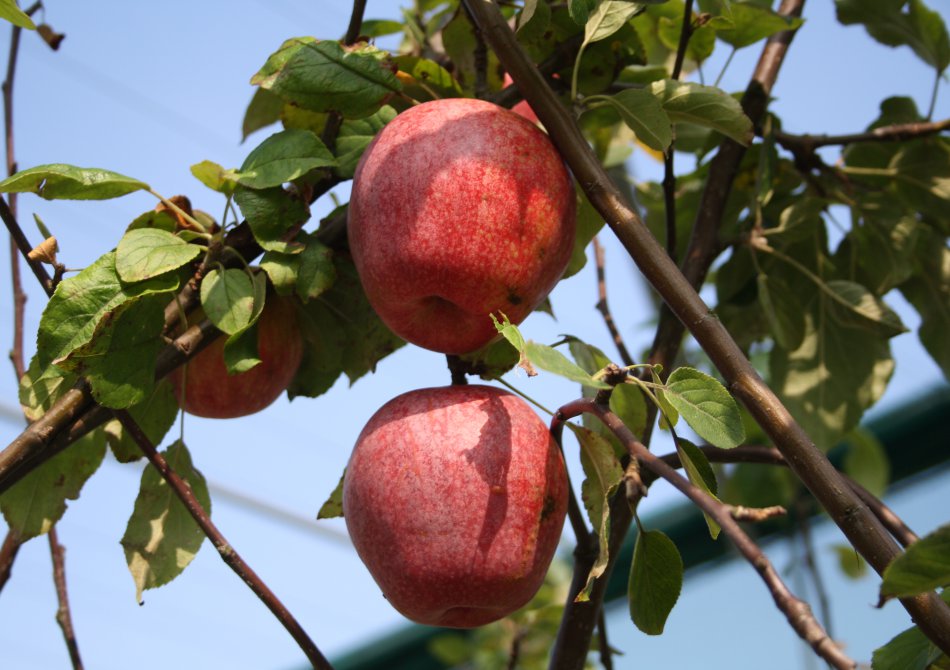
[263,110]
[602,475]
[15,15]
[240,349]
[283,157]
[493,360]
[580,10]
[924,566]
[68,182]
[866,461]
[155,416]
[272,214]
[782,311]
[607,18]
[227,298]
[706,406]
[921,177]
[342,334]
[333,507]
[41,386]
[119,359]
[669,415]
[643,113]
[162,537]
[380,27]
[355,135]
[911,650]
[589,223]
[750,23]
[316,272]
[855,305]
[80,302]
[281,270]
[700,474]
[834,375]
[533,20]
[148,252]
[429,80]
[929,292]
[322,76]
[656,578]
[707,106]
[215,177]
[552,360]
[35,503]
[920,28]
[850,561]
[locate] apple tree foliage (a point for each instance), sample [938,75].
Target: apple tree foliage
[809,305]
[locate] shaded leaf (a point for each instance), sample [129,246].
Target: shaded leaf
[38,500]
[68,182]
[155,416]
[81,301]
[863,309]
[866,461]
[493,360]
[924,566]
[642,112]
[910,650]
[240,349]
[272,214]
[928,290]
[920,28]
[602,476]
[355,136]
[119,359]
[782,311]
[41,386]
[263,110]
[705,106]
[850,561]
[656,578]
[701,475]
[749,23]
[161,537]
[148,252]
[706,406]
[550,359]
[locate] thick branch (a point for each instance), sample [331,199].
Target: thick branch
[811,466]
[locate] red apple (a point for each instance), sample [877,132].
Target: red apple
[211,392]
[459,209]
[455,498]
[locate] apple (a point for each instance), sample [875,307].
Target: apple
[209,391]
[455,498]
[459,209]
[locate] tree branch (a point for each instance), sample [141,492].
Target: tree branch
[228,554]
[857,522]
[63,616]
[796,611]
[602,306]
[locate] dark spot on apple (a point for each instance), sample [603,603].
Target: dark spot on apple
[514,298]
[547,508]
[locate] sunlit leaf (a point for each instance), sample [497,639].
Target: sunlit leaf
[706,406]
[68,182]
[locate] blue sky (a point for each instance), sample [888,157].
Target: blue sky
[148,89]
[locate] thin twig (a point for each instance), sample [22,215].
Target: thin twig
[603,645]
[8,552]
[669,175]
[355,26]
[603,308]
[63,616]
[228,554]
[795,610]
[898,132]
[804,532]
[585,540]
